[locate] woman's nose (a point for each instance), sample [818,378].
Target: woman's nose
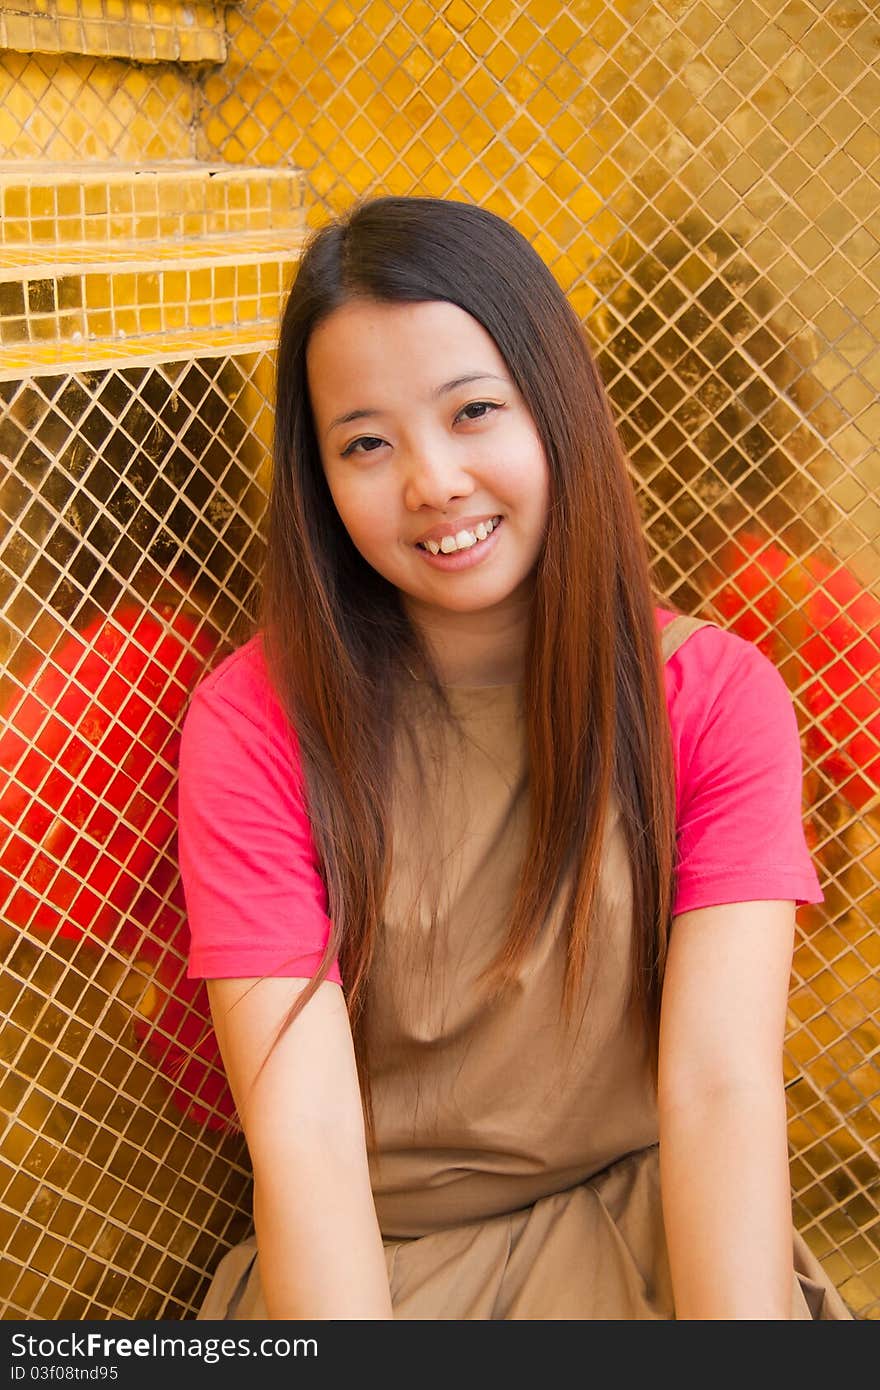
[434,476]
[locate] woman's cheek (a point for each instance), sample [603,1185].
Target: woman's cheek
[367,518]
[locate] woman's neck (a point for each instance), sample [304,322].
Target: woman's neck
[477,649]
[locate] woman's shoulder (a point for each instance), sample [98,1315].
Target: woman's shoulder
[710,658]
[738,773]
[239,685]
[718,682]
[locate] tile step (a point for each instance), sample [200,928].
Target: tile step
[47,202]
[112,256]
[87,292]
[52,359]
[146,31]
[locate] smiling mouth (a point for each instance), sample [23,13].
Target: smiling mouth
[435,548]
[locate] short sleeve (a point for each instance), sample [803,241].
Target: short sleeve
[740,829]
[255,902]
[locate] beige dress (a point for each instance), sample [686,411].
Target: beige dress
[517,1170]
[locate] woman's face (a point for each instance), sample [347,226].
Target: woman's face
[422,431]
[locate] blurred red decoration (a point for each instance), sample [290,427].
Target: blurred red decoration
[88,761]
[818,616]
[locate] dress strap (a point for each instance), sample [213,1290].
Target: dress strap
[679,630]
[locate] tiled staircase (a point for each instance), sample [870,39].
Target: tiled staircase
[102,264]
[138,316]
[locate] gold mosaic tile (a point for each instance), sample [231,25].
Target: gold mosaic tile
[128,292]
[120,1170]
[90,203]
[703,180]
[150,31]
[37,359]
[59,107]
[191,270]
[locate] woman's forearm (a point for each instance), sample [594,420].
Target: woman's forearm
[321,1253]
[726,1197]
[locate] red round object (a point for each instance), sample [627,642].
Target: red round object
[822,614]
[88,773]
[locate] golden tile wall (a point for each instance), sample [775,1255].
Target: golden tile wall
[129,510]
[703,179]
[57,107]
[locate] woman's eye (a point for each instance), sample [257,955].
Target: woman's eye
[482,407]
[367,440]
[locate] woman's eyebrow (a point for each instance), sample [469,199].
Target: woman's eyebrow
[367,411]
[464,380]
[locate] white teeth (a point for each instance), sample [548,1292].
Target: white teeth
[463,540]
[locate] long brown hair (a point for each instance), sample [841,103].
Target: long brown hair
[336,635]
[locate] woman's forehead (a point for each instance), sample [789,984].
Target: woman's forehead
[419,340]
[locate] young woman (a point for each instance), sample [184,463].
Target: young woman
[491,861]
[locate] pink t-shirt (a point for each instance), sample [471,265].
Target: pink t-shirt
[255,902]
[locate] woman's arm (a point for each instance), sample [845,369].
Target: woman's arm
[320,1248]
[724,1170]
